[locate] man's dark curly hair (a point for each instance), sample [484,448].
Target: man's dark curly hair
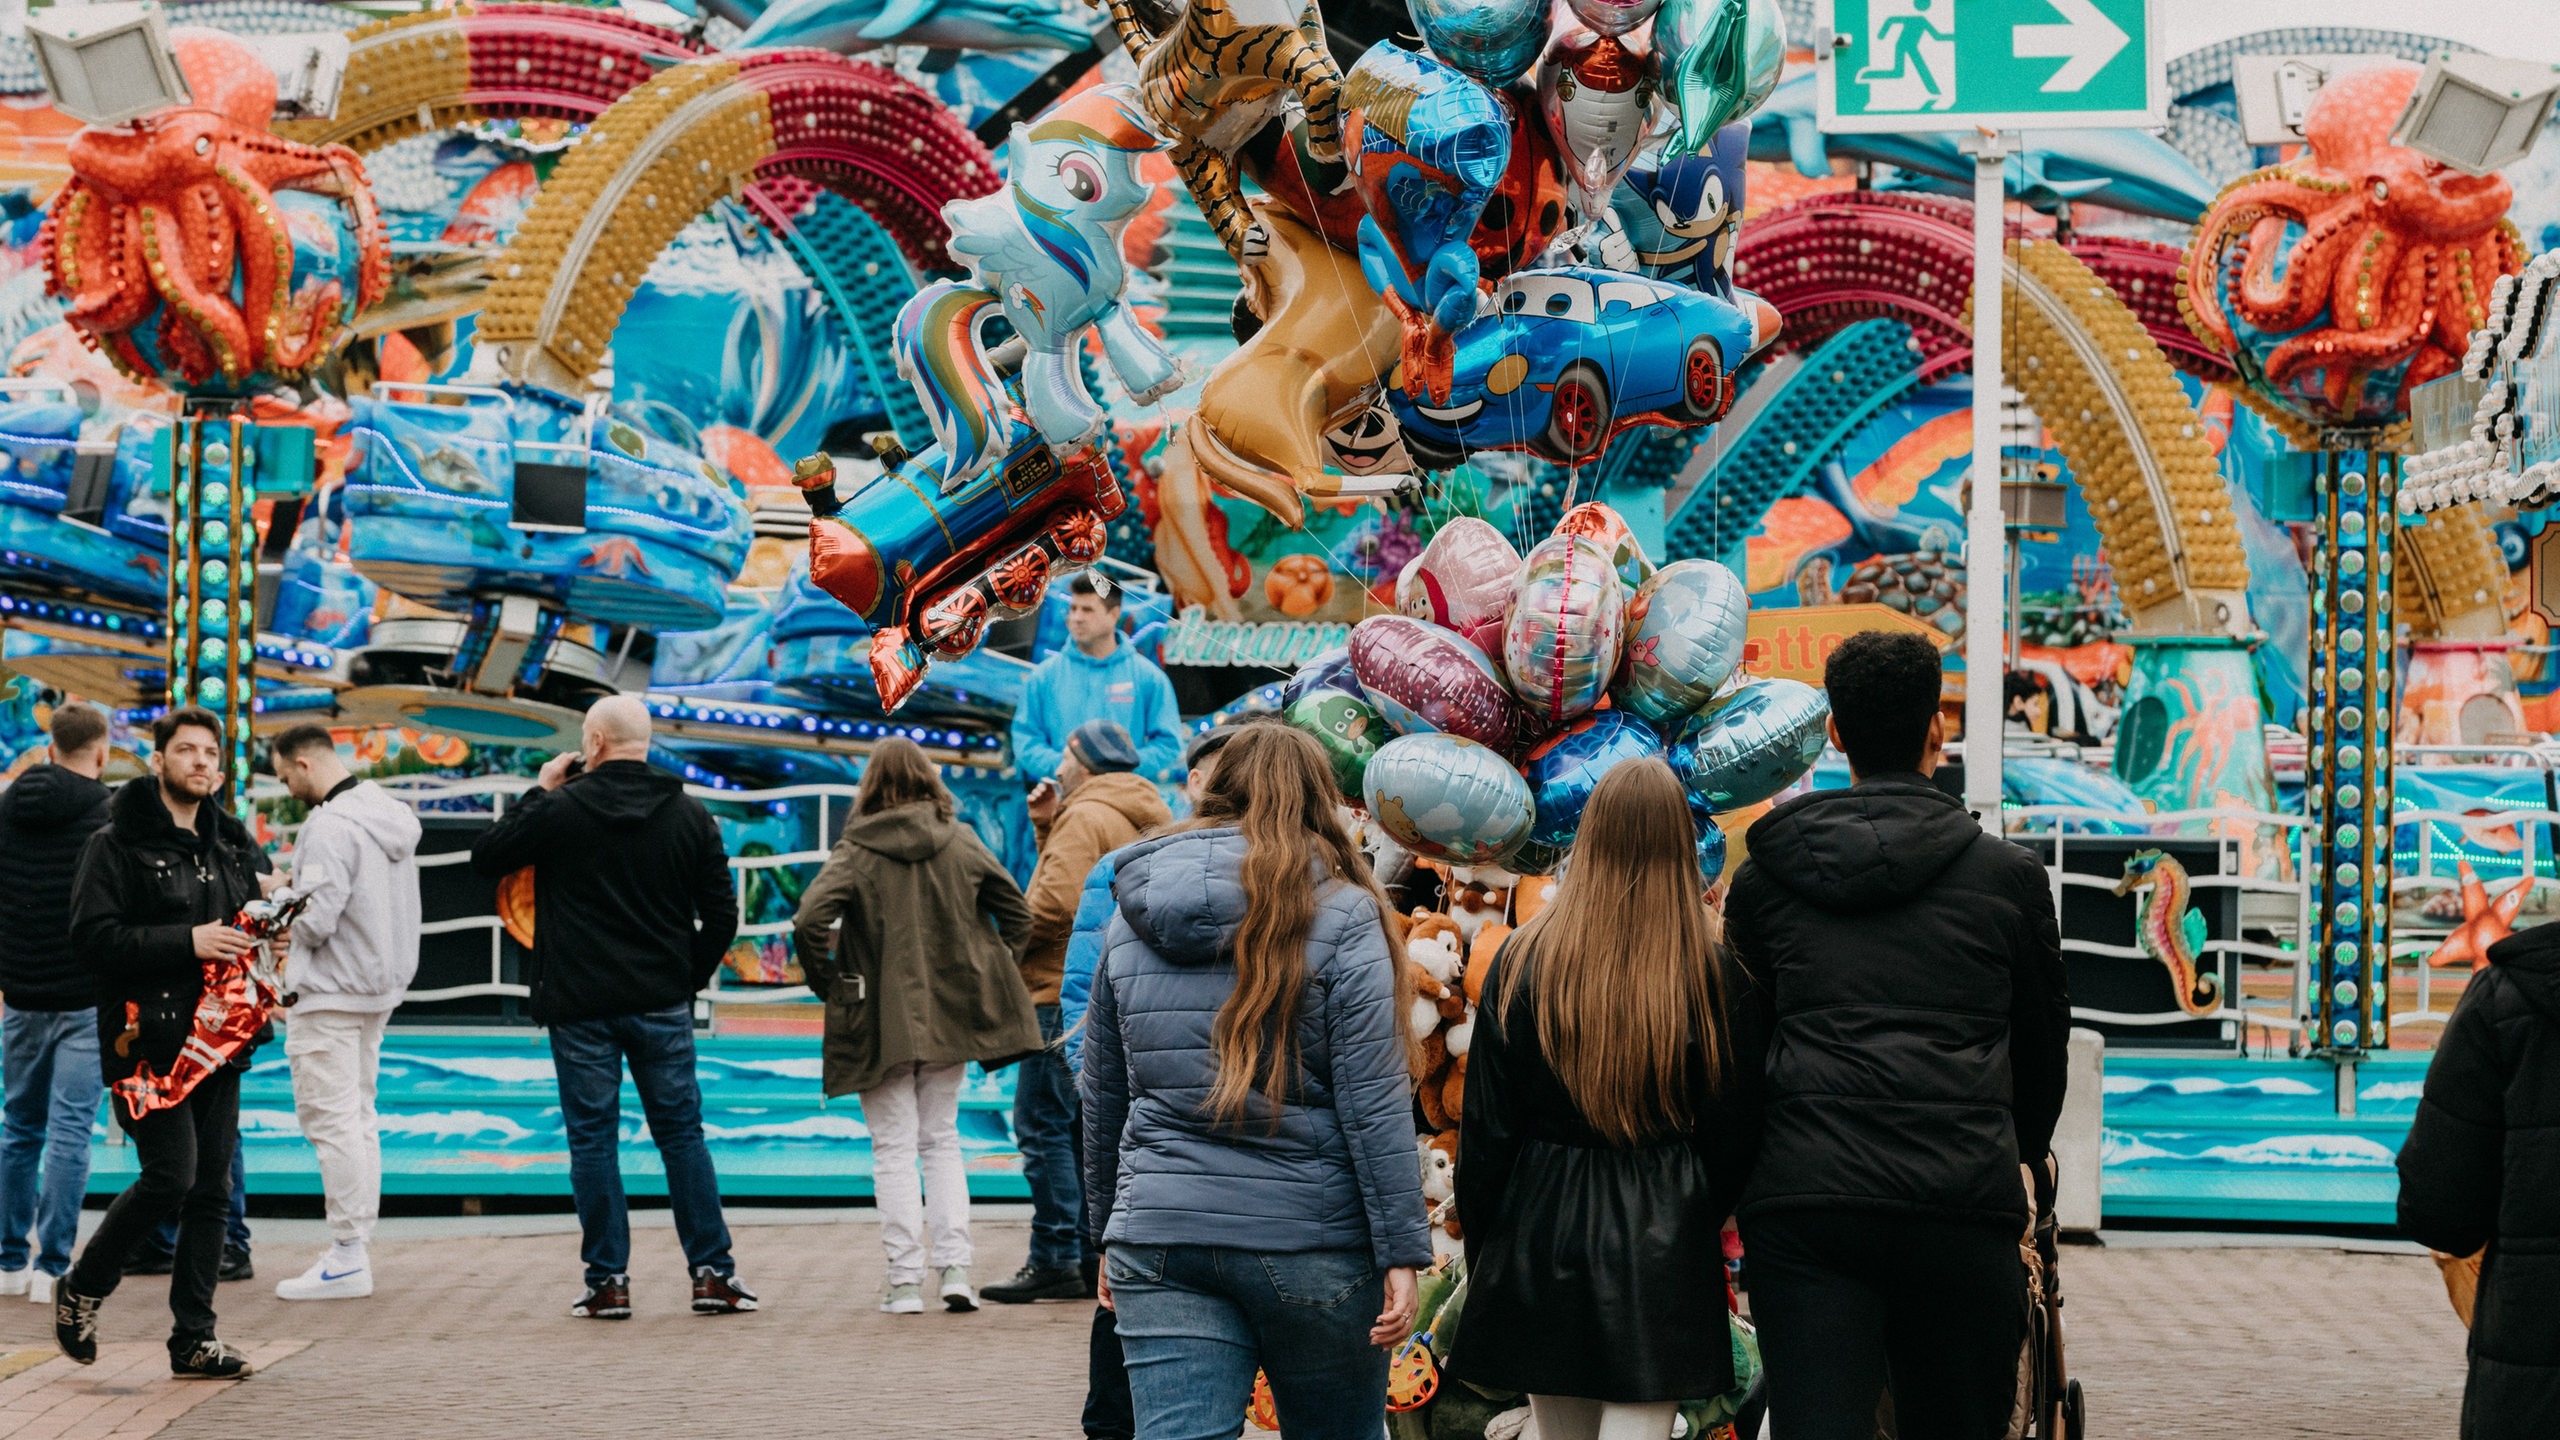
[1884,686]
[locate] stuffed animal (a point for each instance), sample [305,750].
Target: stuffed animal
[1473,905]
[1445,1144]
[1438,953]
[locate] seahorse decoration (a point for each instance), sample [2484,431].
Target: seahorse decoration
[1217,76]
[2171,930]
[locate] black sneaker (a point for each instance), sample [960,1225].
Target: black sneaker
[75,1322]
[718,1294]
[211,1360]
[606,1299]
[150,1262]
[1038,1282]
[235,1265]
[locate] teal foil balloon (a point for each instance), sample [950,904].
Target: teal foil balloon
[1494,41]
[1720,59]
[1447,798]
[1685,631]
[1711,850]
[1757,743]
[1348,728]
[1562,770]
[1561,641]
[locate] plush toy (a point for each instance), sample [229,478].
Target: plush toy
[1480,955]
[1445,1145]
[1439,1166]
[1437,949]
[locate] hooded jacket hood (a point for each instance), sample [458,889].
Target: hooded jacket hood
[139,818]
[48,797]
[1184,894]
[2531,962]
[1870,847]
[623,792]
[907,833]
[391,826]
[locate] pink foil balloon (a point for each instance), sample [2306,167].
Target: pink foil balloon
[1424,677]
[1562,639]
[1462,580]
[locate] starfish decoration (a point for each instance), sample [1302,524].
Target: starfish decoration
[2485,922]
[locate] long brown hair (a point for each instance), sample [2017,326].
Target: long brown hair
[899,774]
[1626,963]
[1272,782]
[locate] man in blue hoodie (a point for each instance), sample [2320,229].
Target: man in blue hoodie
[1097,678]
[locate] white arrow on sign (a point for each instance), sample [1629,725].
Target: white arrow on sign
[2085,42]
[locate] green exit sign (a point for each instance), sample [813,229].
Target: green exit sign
[1990,64]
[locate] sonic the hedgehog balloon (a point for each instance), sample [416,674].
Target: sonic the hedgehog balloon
[1047,249]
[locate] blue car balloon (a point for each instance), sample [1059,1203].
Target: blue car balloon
[1569,356]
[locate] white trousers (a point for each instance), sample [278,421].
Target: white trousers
[915,1112]
[1563,1417]
[335,1055]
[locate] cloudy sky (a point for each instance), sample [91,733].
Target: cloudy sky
[2524,29]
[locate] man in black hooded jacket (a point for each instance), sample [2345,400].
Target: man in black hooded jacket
[1917,1061]
[2481,1167]
[632,909]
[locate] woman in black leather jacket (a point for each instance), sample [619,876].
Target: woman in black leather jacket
[1610,1121]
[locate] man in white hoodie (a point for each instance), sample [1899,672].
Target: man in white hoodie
[354,952]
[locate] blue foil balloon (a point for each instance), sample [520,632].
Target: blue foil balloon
[1711,850]
[1563,770]
[1495,41]
[1755,744]
[1685,631]
[1328,671]
[1720,59]
[1447,798]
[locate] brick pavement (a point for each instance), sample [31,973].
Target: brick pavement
[469,1338]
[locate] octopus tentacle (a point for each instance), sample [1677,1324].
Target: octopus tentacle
[266,257]
[210,314]
[2297,299]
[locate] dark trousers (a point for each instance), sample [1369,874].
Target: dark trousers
[235,1231]
[1044,1130]
[1109,1414]
[185,1153]
[587,1056]
[1848,1301]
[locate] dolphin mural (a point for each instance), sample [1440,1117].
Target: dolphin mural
[846,26]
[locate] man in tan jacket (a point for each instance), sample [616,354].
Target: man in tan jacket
[1099,804]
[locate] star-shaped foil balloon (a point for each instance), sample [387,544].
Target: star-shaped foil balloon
[2485,922]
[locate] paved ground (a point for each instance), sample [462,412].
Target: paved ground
[2173,1338]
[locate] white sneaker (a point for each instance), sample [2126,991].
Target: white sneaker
[339,1274]
[956,1294]
[14,1282]
[40,1287]
[903,1300]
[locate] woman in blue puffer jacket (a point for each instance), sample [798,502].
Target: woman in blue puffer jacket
[1248,1110]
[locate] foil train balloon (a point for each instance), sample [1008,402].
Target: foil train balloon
[1046,250]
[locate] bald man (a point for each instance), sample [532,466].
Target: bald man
[633,908]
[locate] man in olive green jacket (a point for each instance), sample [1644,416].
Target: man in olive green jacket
[1101,805]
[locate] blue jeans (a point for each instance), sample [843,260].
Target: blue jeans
[588,1055]
[1196,1321]
[50,1061]
[1044,1130]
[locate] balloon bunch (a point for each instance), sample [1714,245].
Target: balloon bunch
[1473,723]
[1541,203]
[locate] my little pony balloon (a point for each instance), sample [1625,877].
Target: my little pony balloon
[1596,93]
[1613,17]
[1719,60]
[1494,41]
[1685,631]
[1047,247]
[1422,677]
[1752,746]
[1462,580]
[1560,643]
[1562,770]
[1448,798]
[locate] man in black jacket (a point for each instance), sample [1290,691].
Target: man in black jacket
[1917,1061]
[49,1038]
[2481,1167]
[633,908]
[156,892]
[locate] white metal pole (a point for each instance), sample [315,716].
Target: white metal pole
[1986,564]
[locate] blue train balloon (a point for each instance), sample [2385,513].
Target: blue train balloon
[1685,630]
[1447,798]
[1750,747]
[1563,770]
